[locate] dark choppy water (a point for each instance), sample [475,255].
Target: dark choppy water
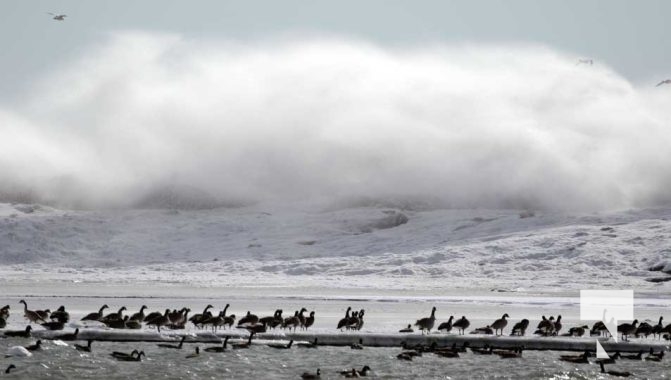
[261,362]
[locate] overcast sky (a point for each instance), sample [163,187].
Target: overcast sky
[631,36]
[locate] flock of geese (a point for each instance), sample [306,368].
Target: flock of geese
[353,320]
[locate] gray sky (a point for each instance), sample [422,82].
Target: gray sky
[631,36]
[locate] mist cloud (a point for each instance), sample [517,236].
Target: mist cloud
[472,125]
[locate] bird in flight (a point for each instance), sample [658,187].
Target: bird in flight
[667,81]
[58,17]
[585,61]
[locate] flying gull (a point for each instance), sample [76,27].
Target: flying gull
[58,17]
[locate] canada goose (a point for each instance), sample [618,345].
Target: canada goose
[277,321]
[4,312]
[215,322]
[35,347]
[357,346]
[243,345]
[360,322]
[653,357]
[180,320]
[644,329]
[160,321]
[60,315]
[114,316]
[30,315]
[546,327]
[657,329]
[197,319]
[638,356]
[557,326]
[614,373]
[152,315]
[175,346]
[610,360]
[95,316]
[447,326]
[249,319]
[301,317]
[139,316]
[520,328]
[486,350]
[576,331]
[118,354]
[516,353]
[350,374]
[462,324]
[598,329]
[117,323]
[427,323]
[487,330]
[404,356]
[229,320]
[281,346]
[500,324]
[195,354]
[343,322]
[363,372]
[133,324]
[3,323]
[53,325]
[221,348]
[580,359]
[136,358]
[407,329]
[44,314]
[19,333]
[309,321]
[289,322]
[666,81]
[86,348]
[353,320]
[308,345]
[270,319]
[311,376]
[10,368]
[257,328]
[72,336]
[627,329]
[176,317]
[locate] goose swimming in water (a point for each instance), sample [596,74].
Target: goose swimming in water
[10,368]
[426,324]
[311,376]
[86,348]
[95,316]
[313,344]
[244,345]
[614,373]
[119,354]
[136,358]
[500,324]
[175,346]
[363,372]
[462,324]
[357,346]
[19,333]
[221,348]
[195,354]
[580,359]
[30,315]
[53,325]
[407,329]
[35,347]
[281,346]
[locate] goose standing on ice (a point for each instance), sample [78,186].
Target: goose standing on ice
[60,315]
[309,321]
[657,329]
[427,323]
[139,316]
[447,326]
[160,321]
[627,329]
[500,324]
[30,315]
[520,328]
[462,324]
[343,322]
[95,316]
